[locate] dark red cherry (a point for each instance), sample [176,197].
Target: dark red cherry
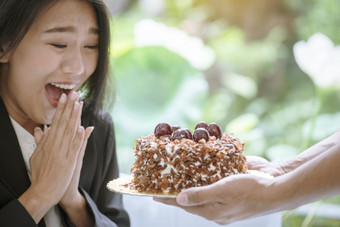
[189,134]
[182,133]
[200,133]
[215,130]
[162,129]
[174,128]
[201,124]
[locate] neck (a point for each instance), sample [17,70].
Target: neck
[22,120]
[10,106]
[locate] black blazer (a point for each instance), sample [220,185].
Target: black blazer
[99,167]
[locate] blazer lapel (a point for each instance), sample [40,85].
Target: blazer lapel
[13,172]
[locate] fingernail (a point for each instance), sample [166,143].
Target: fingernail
[80,129]
[37,128]
[73,96]
[76,105]
[182,199]
[62,98]
[91,130]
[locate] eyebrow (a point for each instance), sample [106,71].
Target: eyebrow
[70,29]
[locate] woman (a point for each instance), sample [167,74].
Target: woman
[51,52]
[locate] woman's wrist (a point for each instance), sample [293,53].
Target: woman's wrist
[313,180]
[77,211]
[35,204]
[311,153]
[75,203]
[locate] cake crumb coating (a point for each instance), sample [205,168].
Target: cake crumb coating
[165,166]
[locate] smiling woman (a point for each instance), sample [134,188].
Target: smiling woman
[56,175]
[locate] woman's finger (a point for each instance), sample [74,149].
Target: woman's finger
[46,129]
[77,143]
[197,196]
[72,190]
[38,135]
[60,109]
[88,132]
[61,120]
[65,119]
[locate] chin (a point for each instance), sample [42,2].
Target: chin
[48,117]
[47,121]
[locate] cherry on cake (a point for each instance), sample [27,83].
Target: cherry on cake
[174,158]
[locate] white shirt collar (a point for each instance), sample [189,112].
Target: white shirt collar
[26,142]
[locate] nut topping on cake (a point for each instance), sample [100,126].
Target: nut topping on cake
[173,159]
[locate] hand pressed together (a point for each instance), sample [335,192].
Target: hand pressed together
[57,160]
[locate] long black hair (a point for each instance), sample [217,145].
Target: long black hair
[17,16]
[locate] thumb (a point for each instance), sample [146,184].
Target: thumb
[38,135]
[197,196]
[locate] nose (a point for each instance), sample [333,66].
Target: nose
[73,62]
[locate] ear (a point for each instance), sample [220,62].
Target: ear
[4,57]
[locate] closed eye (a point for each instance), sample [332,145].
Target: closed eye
[92,47]
[60,46]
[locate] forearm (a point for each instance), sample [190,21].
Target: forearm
[311,153]
[78,213]
[314,180]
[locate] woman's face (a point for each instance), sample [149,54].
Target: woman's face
[58,54]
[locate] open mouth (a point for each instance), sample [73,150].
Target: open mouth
[55,90]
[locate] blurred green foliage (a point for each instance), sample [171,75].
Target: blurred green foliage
[253,88]
[322,16]
[153,85]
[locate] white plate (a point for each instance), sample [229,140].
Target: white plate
[122,185]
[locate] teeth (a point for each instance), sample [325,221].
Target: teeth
[64,86]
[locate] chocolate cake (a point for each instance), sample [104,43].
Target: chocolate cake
[173,158]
